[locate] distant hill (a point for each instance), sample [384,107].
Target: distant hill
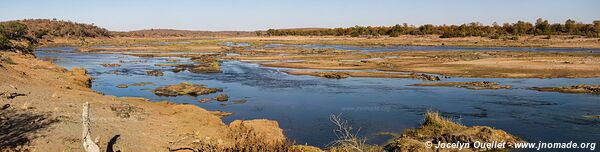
[68,29]
[181,33]
[24,35]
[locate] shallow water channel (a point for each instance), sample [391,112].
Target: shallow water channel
[302,104]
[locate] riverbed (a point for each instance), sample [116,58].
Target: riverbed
[374,106]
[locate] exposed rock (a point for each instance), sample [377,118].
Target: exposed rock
[477,85]
[438,129]
[206,58]
[367,74]
[266,130]
[425,77]
[178,69]
[122,86]
[209,63]
[156,73]
[222,97]
[333,75]
[582,88]
[221,114]
[79,71]
[80,75]
[110,65]
[184,89]
[212,67]
[205,100]
[124,110]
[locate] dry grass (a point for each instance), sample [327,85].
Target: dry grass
[436,129]
[435,124]
[245,140]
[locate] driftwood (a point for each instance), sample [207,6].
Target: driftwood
[88,143]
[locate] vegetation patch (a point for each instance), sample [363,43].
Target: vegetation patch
[24,35]
[495,31]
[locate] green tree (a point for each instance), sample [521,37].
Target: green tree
[4,42]
[571,26]
[597,27]
[14,30]
[542,27]
[522,27]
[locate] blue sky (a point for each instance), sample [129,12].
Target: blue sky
[123,15]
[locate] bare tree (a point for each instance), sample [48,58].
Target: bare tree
[346,138]
[88,143]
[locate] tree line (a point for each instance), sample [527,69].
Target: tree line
[495,31]
[24,35]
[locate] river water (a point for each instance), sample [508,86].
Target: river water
[302,104]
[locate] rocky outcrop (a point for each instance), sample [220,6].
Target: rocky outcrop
[205,100]
[81,77]
[221,114]
[267,130]
[178,69]
[333,75]
[427,77]
[582,88]
[366,74]
[477,85]
[209,63]
[437,129]
[184,88]
[212,67]
[222,97]
[156,73]
[108,65]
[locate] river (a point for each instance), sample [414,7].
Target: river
[302,104]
